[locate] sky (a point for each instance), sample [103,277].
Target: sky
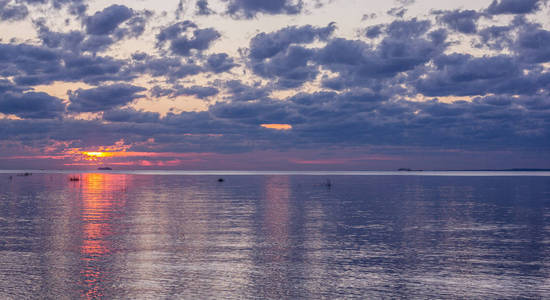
[274,85]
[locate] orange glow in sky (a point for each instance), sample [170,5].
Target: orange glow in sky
[119,155]
[95,155]
[277,126]
[113,157]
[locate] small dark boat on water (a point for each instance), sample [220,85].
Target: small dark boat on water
[104,169]
[74,178]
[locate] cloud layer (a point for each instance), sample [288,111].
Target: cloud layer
[474,80]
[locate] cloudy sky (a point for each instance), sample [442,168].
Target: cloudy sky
[274,84]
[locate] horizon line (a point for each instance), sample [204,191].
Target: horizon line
[502,172]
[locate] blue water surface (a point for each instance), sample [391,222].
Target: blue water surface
[274,235]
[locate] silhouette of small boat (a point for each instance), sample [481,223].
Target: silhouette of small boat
[74,178]
[104,169]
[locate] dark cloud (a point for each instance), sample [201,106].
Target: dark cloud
[99,39]
[7,86]
[243,92]
[12,12]
[290,68]
[31,105]
[464,21]
[202,8]
[253,113]
[93,69]
[408,28]
[158,91]
[405,47]
[68,41]
[34,65]
[368,16]
[197,123]
[250,8]
[174,31]
[103,97]
[185,70]
[374,31]
[75,7]
[406,2]
[173,68]
[179,10]
[220,62]
[107,20]
[397,12]
[185,37]
[343,51]
[96,43]
[533,44]
[266,45]
[21,59]
[462,75]
[199,91]
[498,7]
[134,27]
[495,37]
[130,115]
[202,38]
[276,55]
[60,3]
[139,56]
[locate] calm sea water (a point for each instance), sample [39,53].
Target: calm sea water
[274,235]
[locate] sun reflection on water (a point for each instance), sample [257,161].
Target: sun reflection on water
[276,215]
[276,229]
[102,198]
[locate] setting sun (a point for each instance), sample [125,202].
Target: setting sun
[95,155]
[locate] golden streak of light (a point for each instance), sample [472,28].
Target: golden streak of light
[277,126]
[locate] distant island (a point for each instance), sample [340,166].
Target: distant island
[104,169]
[479,170]
[502,170]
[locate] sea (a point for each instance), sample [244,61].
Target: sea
[274,235]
